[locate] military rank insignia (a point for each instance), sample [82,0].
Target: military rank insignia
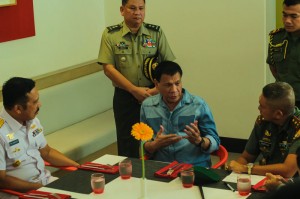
[10,136]
[36,132]
[16,150]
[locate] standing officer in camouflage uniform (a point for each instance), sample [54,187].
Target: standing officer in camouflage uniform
[284,48]
[124,49]
[274,136]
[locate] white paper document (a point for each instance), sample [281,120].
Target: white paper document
[233,178]
[109,159]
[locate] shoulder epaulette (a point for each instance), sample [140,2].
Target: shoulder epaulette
[296,122]
[259,120]
[115,27]
[152,27]
[1,122]
[273,32]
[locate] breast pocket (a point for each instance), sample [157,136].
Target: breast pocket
[148,52]
[123,56]
[155,123]
[185,120]
[15,150]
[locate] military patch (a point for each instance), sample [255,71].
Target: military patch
[122,45]
[16,150]
[1,122]
[10,136]
[273,32]
[36,132]
[149,43]
[267,133]
[152,27]
[33,126]
[115,27]
[14,142]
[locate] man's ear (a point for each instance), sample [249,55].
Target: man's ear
[122,10]
[278,114]
[18,109]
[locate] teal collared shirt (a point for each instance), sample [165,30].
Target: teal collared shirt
[155,112]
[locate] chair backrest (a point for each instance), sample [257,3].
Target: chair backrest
[222,153]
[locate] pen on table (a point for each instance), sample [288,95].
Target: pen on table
[201,192]
[229,186]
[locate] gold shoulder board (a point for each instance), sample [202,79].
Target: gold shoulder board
[273,32]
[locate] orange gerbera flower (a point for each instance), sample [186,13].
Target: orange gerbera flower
[142,131]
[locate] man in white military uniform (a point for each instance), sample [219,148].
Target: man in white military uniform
[23,147]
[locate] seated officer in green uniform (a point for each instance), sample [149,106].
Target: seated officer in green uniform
[125,53]
[274,137]
[284,47]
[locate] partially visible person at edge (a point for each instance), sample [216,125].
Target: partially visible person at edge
[23,147]
[124,48]
[274,136]
[279,187]
[284,48]
[184,127]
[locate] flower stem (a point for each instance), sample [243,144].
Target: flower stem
[143,159]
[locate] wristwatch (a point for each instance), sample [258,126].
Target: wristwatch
[201,142]
[250,166]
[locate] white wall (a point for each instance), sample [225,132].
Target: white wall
[68,32]
[222,47]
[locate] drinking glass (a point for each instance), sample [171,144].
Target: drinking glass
[244,184]
[97,182]
[187,178]
[125,169]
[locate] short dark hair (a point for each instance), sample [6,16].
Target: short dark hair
[291,2]
[14,91]
[280,95]
[124,2]
[167,68]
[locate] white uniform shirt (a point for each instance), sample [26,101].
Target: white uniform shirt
[19,149]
